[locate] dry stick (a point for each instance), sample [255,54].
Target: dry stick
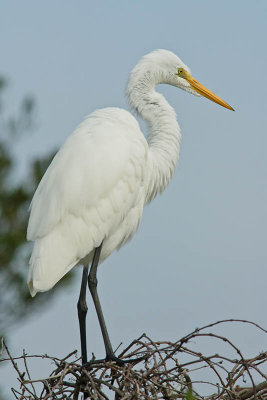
[131,344]
[156,346]
[237,350]
[63,374]
[21,376]
[259,371]
[218,356]
[93,386]
[201,358]
[213,384]
[26,367]
[116,390]
[49,392]
[153,381]
[49,378]
[188,351]
[221,322]
[14,392]
[69,355]
[196,333]
[245,393]
[238,370]
[43,356]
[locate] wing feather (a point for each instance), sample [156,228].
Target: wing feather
[94,181]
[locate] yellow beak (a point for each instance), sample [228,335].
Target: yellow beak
[206,92]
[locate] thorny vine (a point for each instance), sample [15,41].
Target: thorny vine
[169,371]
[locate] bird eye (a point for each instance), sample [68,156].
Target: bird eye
[180,71]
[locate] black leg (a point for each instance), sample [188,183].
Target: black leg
[92,283]
[82,311]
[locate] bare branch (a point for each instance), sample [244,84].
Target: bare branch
[169,372]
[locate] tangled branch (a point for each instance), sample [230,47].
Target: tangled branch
[168,371]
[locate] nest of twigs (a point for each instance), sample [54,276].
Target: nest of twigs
[169,371]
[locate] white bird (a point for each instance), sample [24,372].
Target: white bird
[90,200]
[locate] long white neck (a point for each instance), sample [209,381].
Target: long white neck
[164,132]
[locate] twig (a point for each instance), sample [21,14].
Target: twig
[162,375]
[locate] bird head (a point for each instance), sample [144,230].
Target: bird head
[163,66]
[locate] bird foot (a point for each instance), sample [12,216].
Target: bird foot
[117,360]
[120,361]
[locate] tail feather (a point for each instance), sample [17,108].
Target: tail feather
[49,262]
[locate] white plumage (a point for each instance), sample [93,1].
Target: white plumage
[93,189]
[96,187]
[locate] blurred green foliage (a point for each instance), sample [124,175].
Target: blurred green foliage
[15,196]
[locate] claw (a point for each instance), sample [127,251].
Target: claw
[117,360]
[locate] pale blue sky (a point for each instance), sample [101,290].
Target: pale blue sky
[200,253]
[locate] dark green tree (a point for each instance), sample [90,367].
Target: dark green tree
[15,196]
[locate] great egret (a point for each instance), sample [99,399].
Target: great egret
[91,198]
